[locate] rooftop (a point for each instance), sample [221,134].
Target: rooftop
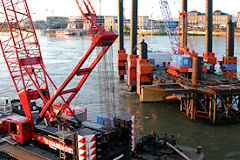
[216,12]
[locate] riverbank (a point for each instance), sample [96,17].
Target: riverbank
[220,34]
[140,32]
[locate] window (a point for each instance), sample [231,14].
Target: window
[14,128]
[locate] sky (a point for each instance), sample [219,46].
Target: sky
[42,8]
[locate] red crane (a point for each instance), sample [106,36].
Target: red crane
[22,54]
[21,51]
[24,59]
[181,63]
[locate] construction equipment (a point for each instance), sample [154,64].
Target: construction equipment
[144,68]
[22,54]
[181,63]
[171,26]
[132,57]
[229,63]
[202,98]
[5,112]
[208,55]
[122,56]
[5,107]
[181,59]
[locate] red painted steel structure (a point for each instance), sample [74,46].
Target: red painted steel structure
[99,38]
[183,49]
[22,54]
[23,57]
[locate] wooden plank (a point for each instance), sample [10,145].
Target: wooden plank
[20,153]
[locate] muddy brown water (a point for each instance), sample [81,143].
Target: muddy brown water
[61,54]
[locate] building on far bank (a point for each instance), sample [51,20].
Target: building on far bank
[87,24]
[143,22]
[160,25]
[198,20]
[24,23]
[111,23]
[40,24]
[56,22]
[75,23]
[238,20]
[220,19]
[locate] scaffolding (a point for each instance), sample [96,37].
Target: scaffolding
[217,101]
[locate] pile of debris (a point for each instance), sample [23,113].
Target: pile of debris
[158,148]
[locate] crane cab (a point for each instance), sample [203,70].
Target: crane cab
[20,129]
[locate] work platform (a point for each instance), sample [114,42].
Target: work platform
[214,99]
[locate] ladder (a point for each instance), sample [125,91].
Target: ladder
[62,153]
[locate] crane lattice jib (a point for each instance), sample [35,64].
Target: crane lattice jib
[100,38]
[170,25]
[22,53]
[23,57]
[91,16]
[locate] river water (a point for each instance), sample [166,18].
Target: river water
[60,56]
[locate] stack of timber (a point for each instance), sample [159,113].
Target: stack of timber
[13,152]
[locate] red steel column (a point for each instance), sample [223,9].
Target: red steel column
[208,55]
[132,63]
[184,23]
[122,56]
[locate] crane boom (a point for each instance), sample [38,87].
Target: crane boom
[91,16]
[170,25]
[21,51]
[22,54]
[23,57]
[100,38]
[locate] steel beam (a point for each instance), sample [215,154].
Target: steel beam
[197,70]
[120,25]
[143,50]
[184,23]
[209,25]
[230,40]
[134,26]
[132,71]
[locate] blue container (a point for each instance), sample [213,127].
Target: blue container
[180,60]
[35,118]
[230,66]
[184,61]
[152,61]
[103,119]
[2,115]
